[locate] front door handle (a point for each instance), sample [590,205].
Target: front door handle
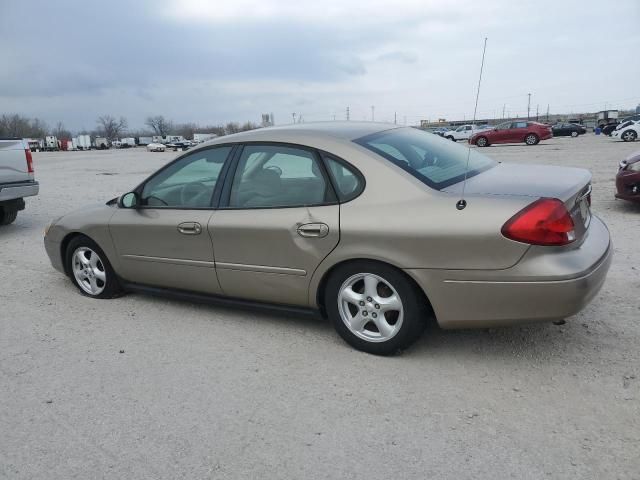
[317,230]
[190,228]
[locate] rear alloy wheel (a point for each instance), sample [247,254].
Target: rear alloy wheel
[629,136]
[531,139]
[374,307]
[90,269]
[482,142]
[7,216]
[574,134]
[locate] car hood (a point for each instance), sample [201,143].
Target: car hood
[526,180]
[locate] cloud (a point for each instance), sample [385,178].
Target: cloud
[214,61]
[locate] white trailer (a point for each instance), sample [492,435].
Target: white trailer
[83,142]
[158,139]
[145,141]
[127,142]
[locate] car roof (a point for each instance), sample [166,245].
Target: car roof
[341,130]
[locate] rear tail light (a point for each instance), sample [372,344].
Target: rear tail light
[544,222]
[27,153]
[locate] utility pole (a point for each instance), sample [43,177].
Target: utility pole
[529,107]
[547,112]
[504,105]
[395,117]
[537,107]
[372,110]
[294,117]
[347,114]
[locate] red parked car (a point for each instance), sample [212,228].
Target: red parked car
[628,178]
[513,132]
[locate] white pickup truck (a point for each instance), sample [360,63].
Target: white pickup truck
[16,177]
[463,132]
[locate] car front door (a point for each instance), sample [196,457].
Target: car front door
[163,240]
[501,133]
[278,219]
[517,132]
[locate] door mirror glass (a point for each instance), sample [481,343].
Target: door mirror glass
[129,200]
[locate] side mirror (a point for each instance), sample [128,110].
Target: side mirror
[129,200]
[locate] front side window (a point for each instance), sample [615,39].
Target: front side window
[429,158]
[519,125]
[278,176]
[187,183]
[504,126]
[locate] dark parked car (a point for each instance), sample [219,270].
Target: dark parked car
[628,178]
[609,128]
[513,132]
[568,130]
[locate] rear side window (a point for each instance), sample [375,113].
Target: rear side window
[348,183]
[519,125]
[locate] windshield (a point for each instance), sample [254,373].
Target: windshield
[430,158]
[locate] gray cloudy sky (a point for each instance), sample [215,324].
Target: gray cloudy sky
[215,61]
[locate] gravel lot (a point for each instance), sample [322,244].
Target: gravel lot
[141,387]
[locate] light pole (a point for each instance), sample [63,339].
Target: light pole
[529,107]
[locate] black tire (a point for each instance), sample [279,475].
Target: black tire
[482,142]
[415,308]
[531,139]
[629,136]
[449,137]
[111,287]
[7,216]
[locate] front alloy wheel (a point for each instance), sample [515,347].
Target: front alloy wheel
[89,271]
[629,136]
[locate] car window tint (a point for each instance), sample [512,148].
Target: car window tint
[346,181]
[187,183]
[504,126]
[277,176]
[431,159]
[519,125]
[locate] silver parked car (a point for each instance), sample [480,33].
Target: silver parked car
[360,221]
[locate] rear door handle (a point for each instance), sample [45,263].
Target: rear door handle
[317,230]
[190,228]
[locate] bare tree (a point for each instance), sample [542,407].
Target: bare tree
[14,125]
[160,125]
[110,127]
[232,127]
[60,132]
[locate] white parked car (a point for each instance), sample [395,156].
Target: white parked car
[627,131]
[463,132]
[156,147]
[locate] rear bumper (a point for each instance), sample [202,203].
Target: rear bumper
[12,191]
[547,284]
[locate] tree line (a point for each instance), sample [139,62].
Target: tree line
[110,127]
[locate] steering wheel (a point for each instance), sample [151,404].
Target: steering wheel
[191,192]
[275,168]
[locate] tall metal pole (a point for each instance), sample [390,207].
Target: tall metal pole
[529,107]
[547,112]
[395,117]
[294,117]
[347,113]
[504,105]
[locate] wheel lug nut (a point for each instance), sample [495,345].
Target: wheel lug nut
[374,315]
[377,306]
[361,303]
[369,299]
[364,314]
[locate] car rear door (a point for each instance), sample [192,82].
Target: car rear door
[278,219]
[164,240]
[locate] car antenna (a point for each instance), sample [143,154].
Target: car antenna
[462,203]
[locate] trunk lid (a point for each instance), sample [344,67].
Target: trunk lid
[570,185]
